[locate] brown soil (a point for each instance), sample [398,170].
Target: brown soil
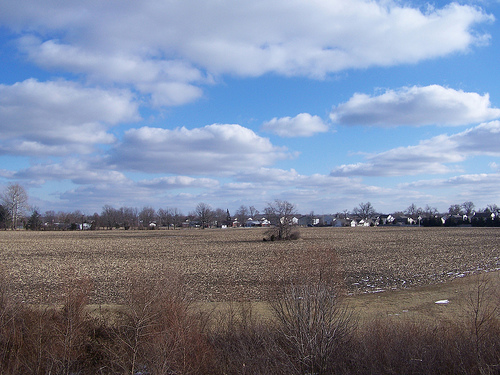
[236,265]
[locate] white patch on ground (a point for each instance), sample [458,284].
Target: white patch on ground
[442,302]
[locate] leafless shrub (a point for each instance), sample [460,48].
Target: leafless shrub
[393,346]
[58,339]
[469,345]
[71,323]
[157,332]
[10,337]
[246,344]
[482,309]
[311,320]
[314,325]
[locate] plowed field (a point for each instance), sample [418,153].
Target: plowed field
[235,264]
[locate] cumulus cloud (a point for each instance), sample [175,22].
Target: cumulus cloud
[185,42]
[218,148]
[302,125]
[416,106]
[431,156]
[59,117]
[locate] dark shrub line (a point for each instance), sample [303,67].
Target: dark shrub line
[311,331]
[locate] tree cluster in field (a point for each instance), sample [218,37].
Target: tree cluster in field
[15,212]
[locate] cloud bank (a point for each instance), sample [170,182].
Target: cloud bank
[60,117]
[213,149]
[416,106]
[166,50]
[432,156]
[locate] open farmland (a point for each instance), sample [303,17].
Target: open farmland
[235,264]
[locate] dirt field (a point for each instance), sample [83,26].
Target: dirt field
[235,264]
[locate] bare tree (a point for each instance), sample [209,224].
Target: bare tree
[222,217]
[413,210]
[455,209]
[49,219]
[493,208]
[253,211]
[281,214]
[109,216]
[430,211]
[164,218]
[468,207]
[15,200]
[147,216]
[205,214]
[364,210]
[242,214]
[177,217]
[128,217]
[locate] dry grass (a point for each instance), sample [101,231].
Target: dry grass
[235,264]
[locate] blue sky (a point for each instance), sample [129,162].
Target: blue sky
[325,103]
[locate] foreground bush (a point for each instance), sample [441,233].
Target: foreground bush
[310,332]
[154,333]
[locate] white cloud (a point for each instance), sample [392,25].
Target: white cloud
[78,171]
[302,125]
[174,182]
[171,93]
[218,149]
[166,81]
[59,117]
[184,42]
[286,182]
[430,156]
[480,140]
[429,105]
[454,190]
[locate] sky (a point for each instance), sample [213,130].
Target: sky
[324,103]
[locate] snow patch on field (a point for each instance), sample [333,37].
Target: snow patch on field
[442,302]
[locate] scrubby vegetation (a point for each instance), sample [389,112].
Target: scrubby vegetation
[158,330]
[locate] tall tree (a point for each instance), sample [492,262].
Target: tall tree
[253,212]
[109,216]
[147,216]
[177,217]
[364,210]
[204,214]
[35,221]
[242,214]
[413,210]
[468,207]
[221,217]
[455,209]
[430,211]
[49,218]
[128,217]
[15,199]
[164,217]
